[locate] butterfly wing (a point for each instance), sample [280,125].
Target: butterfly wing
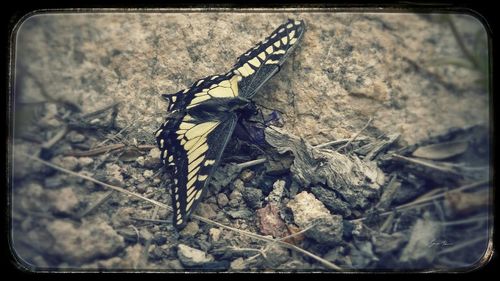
[193,147]
[202,119]
[263,61]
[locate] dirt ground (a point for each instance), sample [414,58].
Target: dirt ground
[420,77]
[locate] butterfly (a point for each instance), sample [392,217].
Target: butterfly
[202,118]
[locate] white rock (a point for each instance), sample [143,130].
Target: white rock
[305,208]
[192,257]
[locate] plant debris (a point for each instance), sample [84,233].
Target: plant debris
[327,190]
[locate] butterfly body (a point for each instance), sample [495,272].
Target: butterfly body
[201,119]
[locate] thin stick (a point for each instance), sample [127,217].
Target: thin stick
[100,110]
[119,189]
[145,254]
[465,221]
[97,151]
[426,163]
[427,199]
[105,149]
[297,233]
[356,135]
[115,135]
[336,142]
[98,203]
[55,138]
[244,165]
[202,219]
[150,220]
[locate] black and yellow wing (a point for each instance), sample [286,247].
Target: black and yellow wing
[193,147]
[264,60]
[202,118]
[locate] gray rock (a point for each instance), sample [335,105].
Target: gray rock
[67,162]
[238,185]
[145,235]
[238,264]
[63,200]
[224,175]
[235,195]
[276,255]
[234,203]
[206,211]
[173,264]
[253,197]
[222,200]
[147,174]
[75,137]
[328,230]
[114,175]
[294,265]
[85,161]
[247,175]
[308,210]
[129,234]
[190,230]
[78,244]
[362,255]
[240,214]
[54,181]
[159,238]
[152,160]
[277,192]
[192,257]
[214,234]
[305,208]
[339,255]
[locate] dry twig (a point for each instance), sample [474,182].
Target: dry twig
[202,219]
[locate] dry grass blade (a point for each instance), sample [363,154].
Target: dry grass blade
[105,149]
[336,142]
[244,165]
[427,200]
[56,138]
[96,204]
[355,136]
[205,220]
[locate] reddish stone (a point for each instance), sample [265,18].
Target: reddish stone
[270,223]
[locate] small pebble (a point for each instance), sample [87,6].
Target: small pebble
[222,200]
[190,230]
[214,234]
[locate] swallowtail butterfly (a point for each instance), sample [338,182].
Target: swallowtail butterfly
[201,119]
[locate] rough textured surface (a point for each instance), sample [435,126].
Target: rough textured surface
[305,208]
[277,193]
[356,180]
[269,221]
[85,242]
[361,65]
[331,201]
[424,235]
[396,68]
[192,257]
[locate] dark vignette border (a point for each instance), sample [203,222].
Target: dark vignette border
[19,10]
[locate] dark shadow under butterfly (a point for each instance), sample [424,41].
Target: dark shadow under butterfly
[202,118]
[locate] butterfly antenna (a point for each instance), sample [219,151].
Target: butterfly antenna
[272,109]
